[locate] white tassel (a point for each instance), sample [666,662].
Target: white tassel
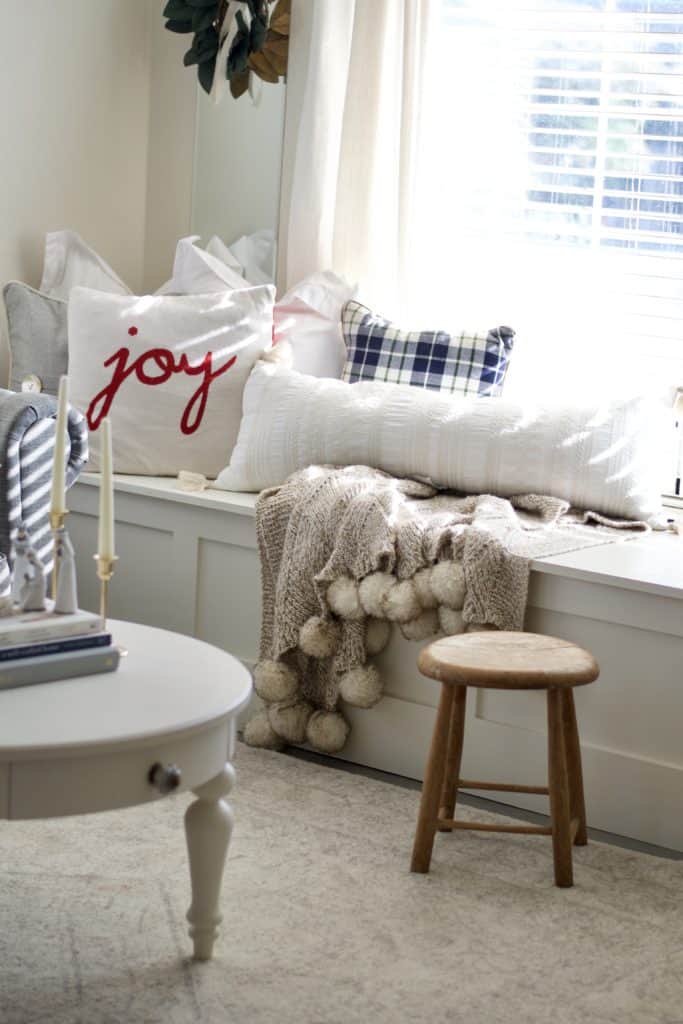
[289,720]
[361,687]
[258,732]
[422,627]
[451,622]
[343,599]
[274,681]
[373,591]
[422,580]
[448,584]
[377,634]
[327,731]
[318,637]
[400,603]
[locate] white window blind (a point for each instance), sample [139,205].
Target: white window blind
[550,187]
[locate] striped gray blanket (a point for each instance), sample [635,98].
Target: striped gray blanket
[27,437]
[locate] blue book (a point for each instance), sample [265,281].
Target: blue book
[55,667]
[37,650]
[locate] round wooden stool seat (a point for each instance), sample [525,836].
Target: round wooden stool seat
[508,661]
[505,661]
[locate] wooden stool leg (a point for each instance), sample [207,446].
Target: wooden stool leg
[573,753]
[558,785]
[431,787]
[449,790]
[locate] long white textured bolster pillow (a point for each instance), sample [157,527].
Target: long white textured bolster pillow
[604,457]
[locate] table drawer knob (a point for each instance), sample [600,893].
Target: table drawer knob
[165,778]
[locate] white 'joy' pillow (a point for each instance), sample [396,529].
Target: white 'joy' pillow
[598,457]
[168,370]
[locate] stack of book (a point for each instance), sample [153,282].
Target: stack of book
[42,647]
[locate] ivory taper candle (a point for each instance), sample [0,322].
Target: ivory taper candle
[58,494]
[105,538]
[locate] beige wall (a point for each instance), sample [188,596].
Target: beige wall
[74,81]
[97,135]
[173,103]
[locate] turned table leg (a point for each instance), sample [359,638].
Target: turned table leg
[208,827]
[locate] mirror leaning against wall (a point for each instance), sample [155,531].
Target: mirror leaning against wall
[236,179]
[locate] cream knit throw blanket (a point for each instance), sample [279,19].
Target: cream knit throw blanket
[346,553]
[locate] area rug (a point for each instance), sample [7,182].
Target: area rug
[324,924]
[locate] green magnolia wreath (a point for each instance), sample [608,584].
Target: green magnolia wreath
[260,44]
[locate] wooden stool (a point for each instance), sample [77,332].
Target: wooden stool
[505,661]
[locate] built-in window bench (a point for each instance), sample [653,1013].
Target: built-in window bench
[188,562]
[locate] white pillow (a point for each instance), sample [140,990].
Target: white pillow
[254,255]
[309,318]
[139,359]
[217,247]
[70,262]
[197,272]
[602,458]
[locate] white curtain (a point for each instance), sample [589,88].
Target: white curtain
[356,72]
[432,157]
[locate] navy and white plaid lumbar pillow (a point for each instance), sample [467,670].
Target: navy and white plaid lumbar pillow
[468,363]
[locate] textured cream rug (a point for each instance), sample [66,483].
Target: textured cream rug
[323,922]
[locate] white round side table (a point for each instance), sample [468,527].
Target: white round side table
[163,722]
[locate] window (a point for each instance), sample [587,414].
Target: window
[550,187]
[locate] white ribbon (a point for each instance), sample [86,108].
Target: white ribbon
[255,88]
[228,31]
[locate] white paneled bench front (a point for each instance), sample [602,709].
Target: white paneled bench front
[189,563]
